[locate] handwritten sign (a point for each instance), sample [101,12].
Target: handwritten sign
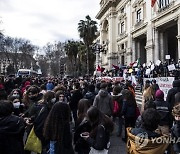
[171,67]
[165,83]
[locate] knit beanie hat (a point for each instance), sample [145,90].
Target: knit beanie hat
[159,94]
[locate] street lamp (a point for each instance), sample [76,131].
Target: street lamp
[98,48]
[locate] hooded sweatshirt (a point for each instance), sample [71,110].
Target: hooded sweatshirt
[103,101]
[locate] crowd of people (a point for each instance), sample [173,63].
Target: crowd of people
[78,115]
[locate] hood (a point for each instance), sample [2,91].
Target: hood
[103,93]
[27,83]
[176,83]
[11,125]
[89,95]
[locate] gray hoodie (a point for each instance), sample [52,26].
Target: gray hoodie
[103,101]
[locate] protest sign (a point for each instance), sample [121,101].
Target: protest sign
[171,67]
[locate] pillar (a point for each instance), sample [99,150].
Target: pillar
[156,45]
[161,43]
[178,36]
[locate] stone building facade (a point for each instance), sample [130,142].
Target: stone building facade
[133,29]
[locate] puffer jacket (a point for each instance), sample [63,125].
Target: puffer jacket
[103,101]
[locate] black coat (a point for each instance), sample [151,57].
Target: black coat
[76,96]
[171,93]
[39,123]
[163,109]
[100,139]
[80,144]
[175,132]
[11,135]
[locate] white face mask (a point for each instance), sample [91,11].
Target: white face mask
[16,105]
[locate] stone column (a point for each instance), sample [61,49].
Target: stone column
[161,43]
[133,51]
[149,44]
[138,54]
[178,36]
[156,45]
[112,38]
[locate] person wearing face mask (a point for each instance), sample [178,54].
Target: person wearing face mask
[11,130]
[33,108]
[18,106]
[32,105]
[46,104]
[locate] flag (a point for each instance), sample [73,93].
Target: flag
[99,68]
[102,69]
[153,2]
[116,67]
[136,63]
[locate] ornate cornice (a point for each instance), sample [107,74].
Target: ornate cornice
[105,7]
[137,3]
[112,55]
[122,36]
[122,16]
[139,27]
[168,11]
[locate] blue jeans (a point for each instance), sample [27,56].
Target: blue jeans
[52,147]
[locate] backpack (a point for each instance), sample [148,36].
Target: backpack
[116,107]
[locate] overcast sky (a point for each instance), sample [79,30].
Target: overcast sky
[42,21]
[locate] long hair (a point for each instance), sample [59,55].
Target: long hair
[57,119]
[96,117]
[83,106]
[128,96]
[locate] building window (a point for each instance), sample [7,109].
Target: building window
[163,3]
[122,46]
[119,28]
[122,27]
[122,10]
[119,47]
[138,15]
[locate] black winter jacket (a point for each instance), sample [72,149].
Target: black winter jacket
[163,109]
[11,135]
[80,144]
[100,140]
[171,93]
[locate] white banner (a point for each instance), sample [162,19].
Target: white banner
[165,83]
